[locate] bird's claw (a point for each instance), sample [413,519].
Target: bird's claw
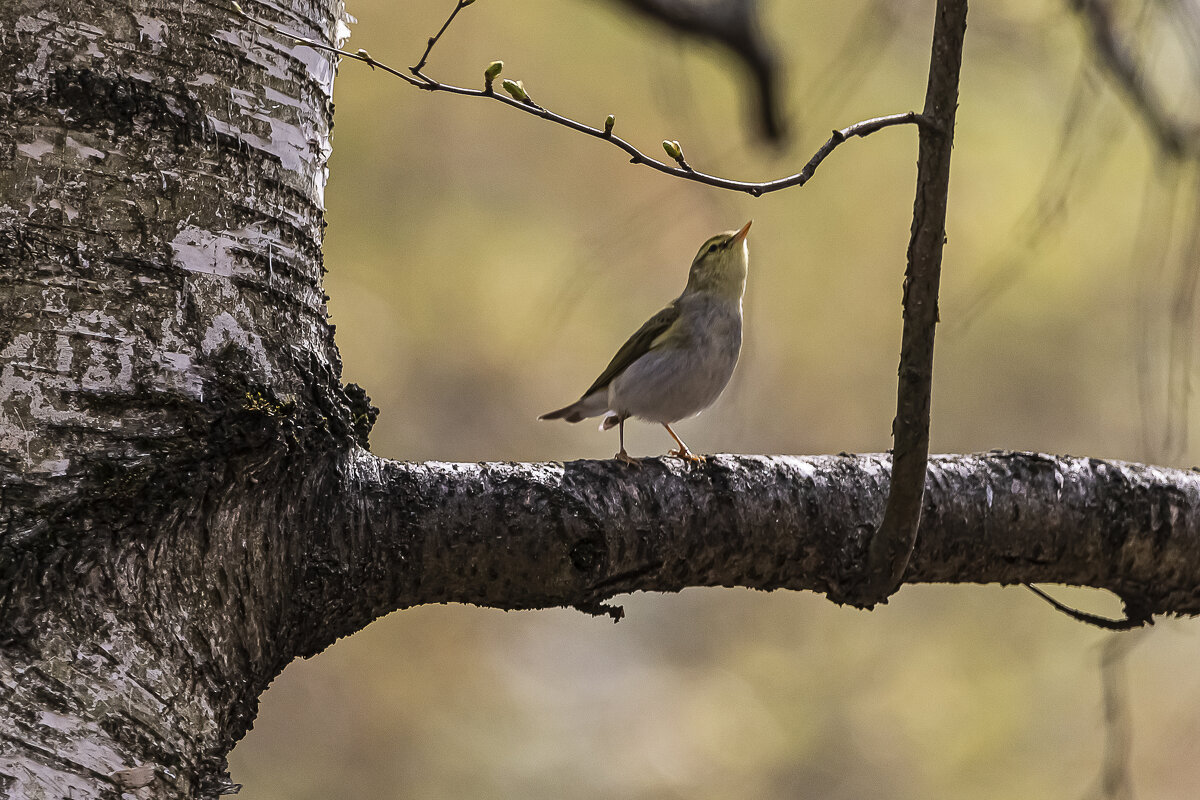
[628,459]
[683,454]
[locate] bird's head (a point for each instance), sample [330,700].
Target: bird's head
[720,266]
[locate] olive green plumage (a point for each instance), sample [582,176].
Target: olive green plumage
[680,360]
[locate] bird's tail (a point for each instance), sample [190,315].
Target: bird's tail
[592,405]
[569,413]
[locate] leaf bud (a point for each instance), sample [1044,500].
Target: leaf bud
[516,89]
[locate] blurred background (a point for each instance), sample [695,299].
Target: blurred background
[483,267]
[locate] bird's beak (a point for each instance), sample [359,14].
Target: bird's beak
[740,235]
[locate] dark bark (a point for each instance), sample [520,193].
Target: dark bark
[892,545]
[576,534]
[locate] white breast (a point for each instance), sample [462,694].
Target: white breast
[675,383]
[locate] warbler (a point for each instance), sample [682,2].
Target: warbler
[677,364]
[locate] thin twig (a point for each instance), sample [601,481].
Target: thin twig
[1182,336]
[433,40]
[1115,781]
[680,169]
[1134,617]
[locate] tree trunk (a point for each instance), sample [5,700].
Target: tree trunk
[167,375]
[186,497]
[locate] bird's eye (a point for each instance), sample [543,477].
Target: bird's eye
[712,248]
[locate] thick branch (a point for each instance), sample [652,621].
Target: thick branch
[575,534]
[892,544]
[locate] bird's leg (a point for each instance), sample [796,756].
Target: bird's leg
[683,452]
[623,456]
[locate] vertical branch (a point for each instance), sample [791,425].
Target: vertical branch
[1181,345]
[1116,781]
[893,542]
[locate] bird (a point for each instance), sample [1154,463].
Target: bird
[678,363]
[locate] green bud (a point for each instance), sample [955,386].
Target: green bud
[608,124]
[516,89]
[673,149]
[237,7]
[493,71]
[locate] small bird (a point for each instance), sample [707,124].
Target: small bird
[677,364]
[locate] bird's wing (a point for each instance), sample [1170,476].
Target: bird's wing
[642,342]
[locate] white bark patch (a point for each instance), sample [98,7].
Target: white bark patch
[287,141]
[17,348]
[181,366]
[46,780]
[292,138]
[21,423]
[198,250]
[151,29]
[35,24]
[800,465]
[218,253]
[65,354]
[36,149]
[341,29]
[56,753]
[81,27]
[99,375]
[225,329]
[134,778]
[54,467]
[83,151]
[254,51]
[84,743]
[35,72]
[317,64]
[39,382]
[70,211]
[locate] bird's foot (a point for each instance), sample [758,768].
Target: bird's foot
[628,459]
[683,454]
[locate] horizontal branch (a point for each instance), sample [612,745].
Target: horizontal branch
[680,169]
[512,536]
